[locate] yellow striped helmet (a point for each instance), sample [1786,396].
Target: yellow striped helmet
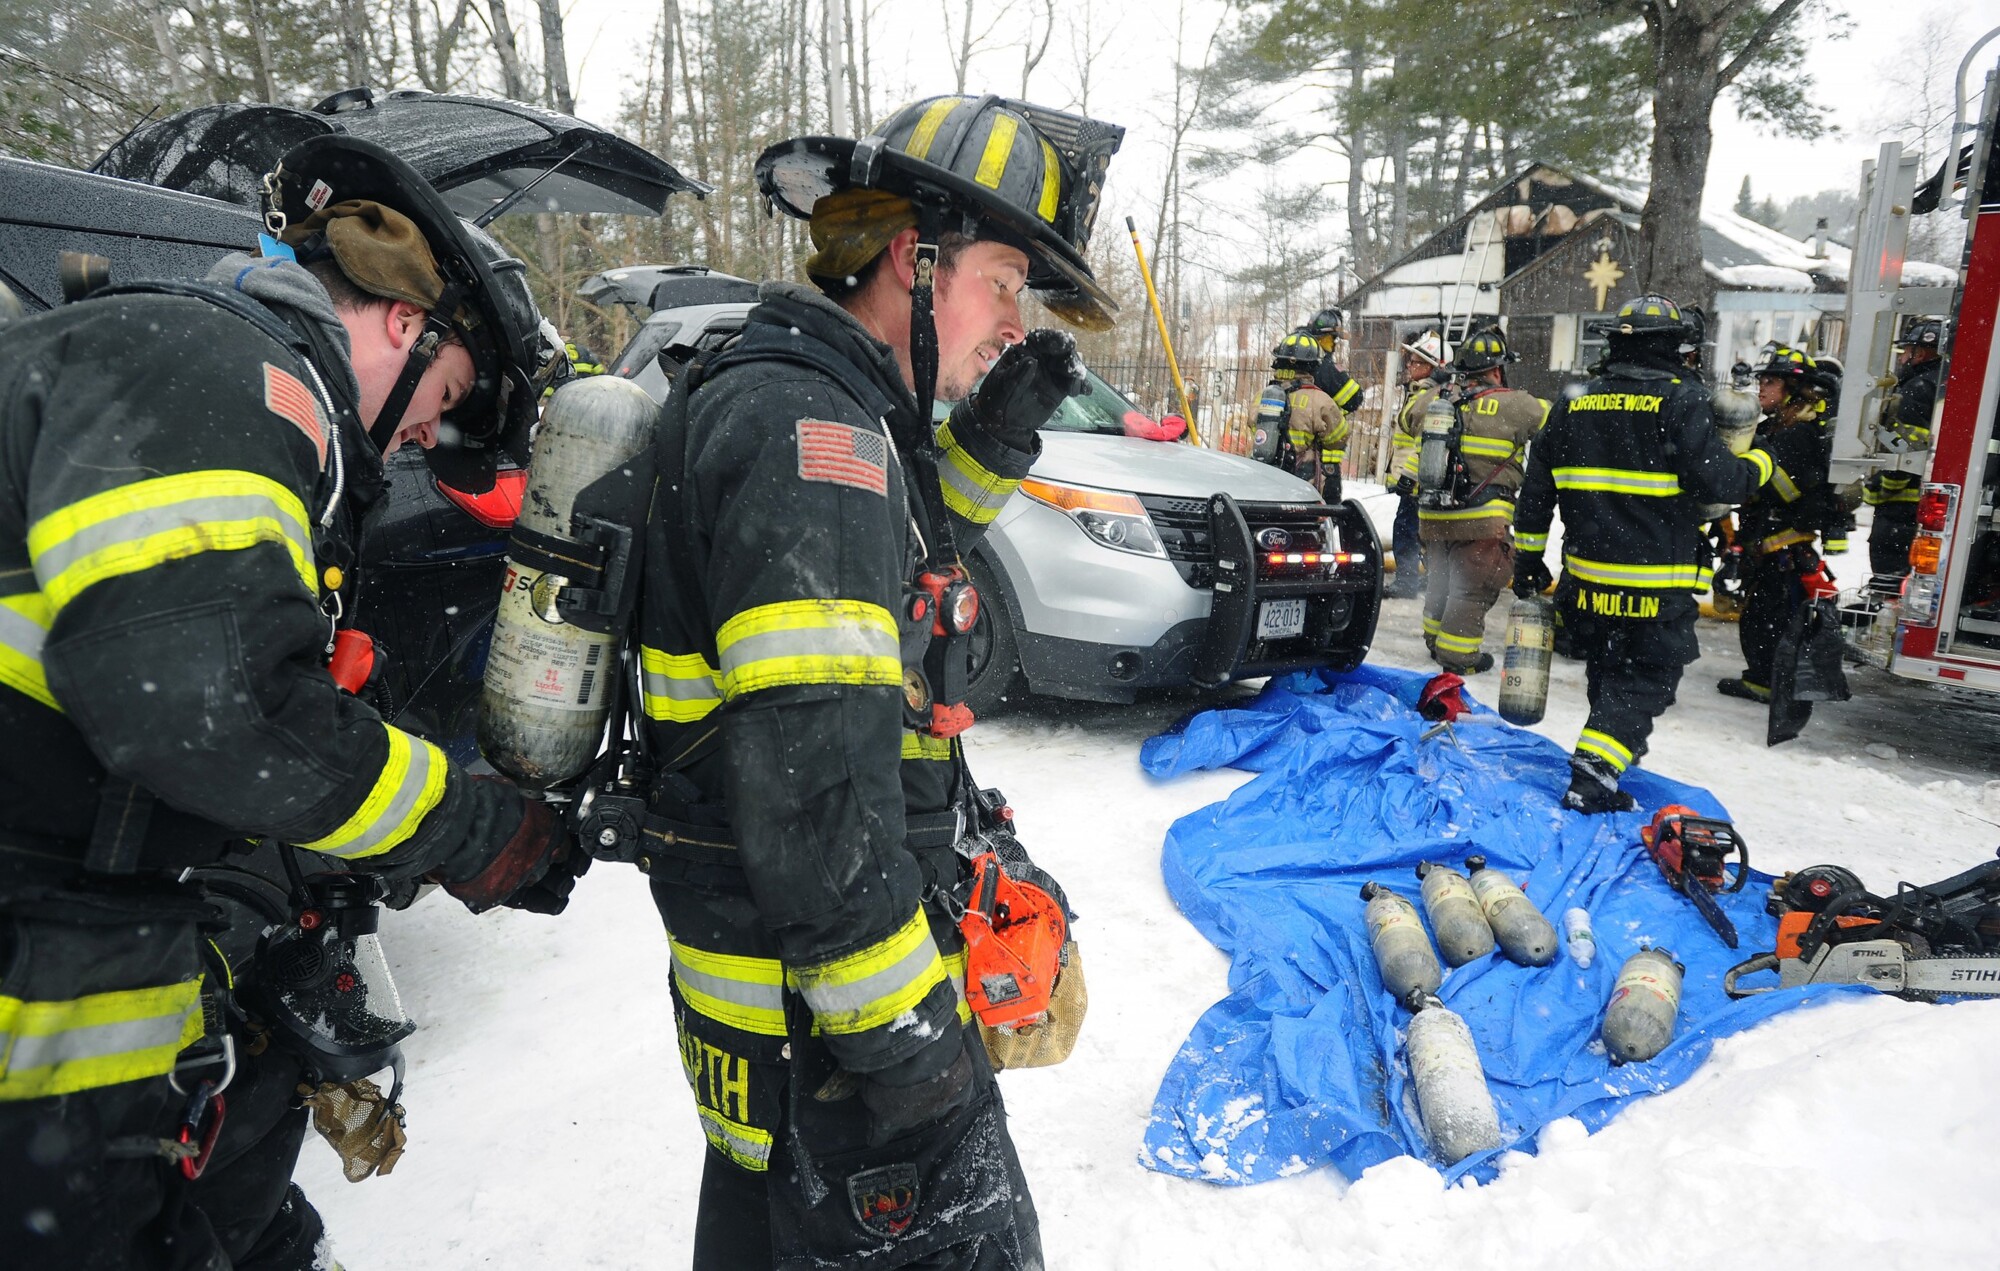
[1482,352]
[1794,366]
[1296,352]
[988,166]
[1648,315]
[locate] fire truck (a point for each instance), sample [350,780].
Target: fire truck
[1945,624]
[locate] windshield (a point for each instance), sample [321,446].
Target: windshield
[1102,410]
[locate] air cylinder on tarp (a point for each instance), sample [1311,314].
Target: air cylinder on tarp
[1524,672]
[1460,924]
[1402,949]
[546,696]
[1524,934]
[1452,1096]
[1639,1019]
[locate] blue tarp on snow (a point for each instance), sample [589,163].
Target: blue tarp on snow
[1301,1065]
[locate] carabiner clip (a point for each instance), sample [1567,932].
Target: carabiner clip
[201,1126]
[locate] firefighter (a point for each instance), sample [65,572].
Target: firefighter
[1466,527]
[1328,328]
[1423,374]
[183,470]
[1778,526]
[1315,425]
[1629,460]
[1905,429]
[805,701]
[1272,442]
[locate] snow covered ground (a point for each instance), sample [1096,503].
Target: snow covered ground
[550,1125]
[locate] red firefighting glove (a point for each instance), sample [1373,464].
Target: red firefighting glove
[536,866]
[918,1092]
[1024,388]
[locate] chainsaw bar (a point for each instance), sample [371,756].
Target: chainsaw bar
[1704,904]
[1883,965]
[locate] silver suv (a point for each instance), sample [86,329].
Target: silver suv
[1125,563]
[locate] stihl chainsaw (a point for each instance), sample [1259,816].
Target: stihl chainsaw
[1922,943]
[1692,851]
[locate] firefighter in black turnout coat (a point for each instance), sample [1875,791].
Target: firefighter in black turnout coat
[1628,459]
[800,698]
[1904,430]
[1777,527]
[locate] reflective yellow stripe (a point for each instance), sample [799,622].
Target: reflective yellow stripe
[411,783]
[1347,393]
[24,621]
[954,969]
[925,746]
[1432,625]
[1783,539]
[1456,643]
[746,1145]
[138,526]
[1605,747]
[1409,467]
[54,1048]
[1782,482]
[999,145]
[677,687]
[1488,447]
[1762,462]
[971,490]
[1329,455]
[1499,509]
[1614,574]
[1051,183]
[919,146]
[1888,494]
[874,986]
[743,992]
[1619,481]
[1534,543]
[809,642]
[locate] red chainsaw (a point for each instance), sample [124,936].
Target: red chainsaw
[1693,851]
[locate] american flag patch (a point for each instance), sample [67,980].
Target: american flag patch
[840,455]
[289,399]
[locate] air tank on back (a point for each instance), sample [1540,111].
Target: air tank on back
[1524,674]
[1402,949]
[1639,1019]
[1440,420]
[1452,1096]
[1462,933]
[544,706]
[1524,934]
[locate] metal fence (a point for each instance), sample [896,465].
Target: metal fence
[1224,398]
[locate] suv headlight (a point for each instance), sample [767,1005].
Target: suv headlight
[1110,518]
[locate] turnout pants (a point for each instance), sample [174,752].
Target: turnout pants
[1890,537]
[1772,593]
[1632,665]
[98,994]
[1464,581]
[261,1218]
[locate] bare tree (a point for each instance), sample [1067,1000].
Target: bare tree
[961,48]
[513,75]
[1032,53]
[1088,41]
[555,58]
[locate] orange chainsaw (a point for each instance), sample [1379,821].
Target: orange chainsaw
[1014,934]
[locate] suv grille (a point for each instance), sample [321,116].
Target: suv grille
[1183,527]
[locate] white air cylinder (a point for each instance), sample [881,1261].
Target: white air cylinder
[1452,1096]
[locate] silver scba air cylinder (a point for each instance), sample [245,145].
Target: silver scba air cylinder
[1524,934]
[1434,446]
[1531,645]
[1402,950]
[543,710]
[1639,1019]
[1462,933]
[1452,1096]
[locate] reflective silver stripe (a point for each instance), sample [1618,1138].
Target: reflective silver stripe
[860,998]
[678,687]
[21,637]
[751,995]
[96,1041]
[142,523]
[844,640]
[391,812]
[747,1145]
[1782,482]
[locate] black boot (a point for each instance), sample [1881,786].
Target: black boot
[1593,788]
[1743,687]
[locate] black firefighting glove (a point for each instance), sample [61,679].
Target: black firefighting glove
[1405,487]
[923,1090]
[536,865]
[1330,486]
[1024,388]
[1531,575]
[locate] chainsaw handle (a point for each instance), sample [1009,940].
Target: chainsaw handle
[1762,962]
[1742,865]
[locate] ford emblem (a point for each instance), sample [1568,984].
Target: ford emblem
[1273,538]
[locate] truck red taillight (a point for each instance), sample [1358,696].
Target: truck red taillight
[1933,510]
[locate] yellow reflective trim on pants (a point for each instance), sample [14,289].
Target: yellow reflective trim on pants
[1051,183]
[1535,543]
[410,785]
[1619,481]
[748,1146]
[925,746]
[1497,508]
[743,992]
[954,969]
[919,145]
[24,622]
[679,688]
[971,490]
[873,986]
[1605,747]
[1614,574]
[999,145]
[1432,625]
[1782,482]
[809,642]
[102,1039]
[1456,643]
[148,523]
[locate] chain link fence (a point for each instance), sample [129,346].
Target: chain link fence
[1224,399]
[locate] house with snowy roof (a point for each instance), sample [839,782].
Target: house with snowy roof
[1552,248]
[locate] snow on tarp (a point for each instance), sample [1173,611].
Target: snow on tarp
[1302,1064]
